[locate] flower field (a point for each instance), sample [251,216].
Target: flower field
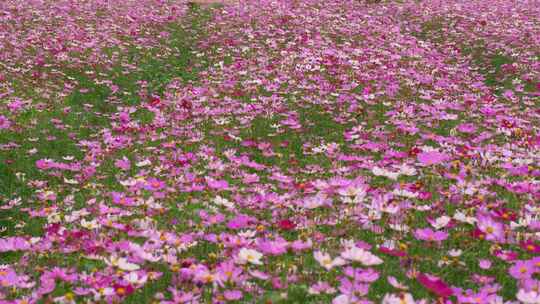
[269,151]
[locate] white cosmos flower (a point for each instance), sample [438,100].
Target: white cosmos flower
[405,298]
[223,202]
[127,266]
[406,170]
[462,217]
[315,201]
[441,222]
[143,163]
[35,240]
[326,261]
[343,299]
[353,194]
[396,284]
[128,183]
[455,253]
[528,297]
[391,208]
[104,292]
[399,227]
[382,172]
[361,255]
[347,243]
[251,256]
[135,278]
[54,217]
[352,190]
[122,263]
[405,193]
[70,181]
[93,224]
[248,234]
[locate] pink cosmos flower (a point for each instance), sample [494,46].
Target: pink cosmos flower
[4,122]
[123,163]
[154,184]
[494,230]
[229,272]
[233,295]
[482,280]
[484,264]
[203,275]
[122,199]
[183,297]
[44,164]
[483,296]
[239,222]
[316,201]
[353,288]
[321,287]
[427,234]
[522,270]
[300,245]
[506,255]
[9,278]
[217,184]
[432,158]
[345,299]
[273,247]
[368,275]
[14,244]
[466,128]
[259,274]
[47,196]
[530,284]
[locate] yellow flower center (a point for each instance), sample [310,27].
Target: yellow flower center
[69,296]
[208,278]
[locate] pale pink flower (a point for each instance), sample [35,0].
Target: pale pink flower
[363,256]
[326,261]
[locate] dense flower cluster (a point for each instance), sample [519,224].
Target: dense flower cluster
[330,151]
